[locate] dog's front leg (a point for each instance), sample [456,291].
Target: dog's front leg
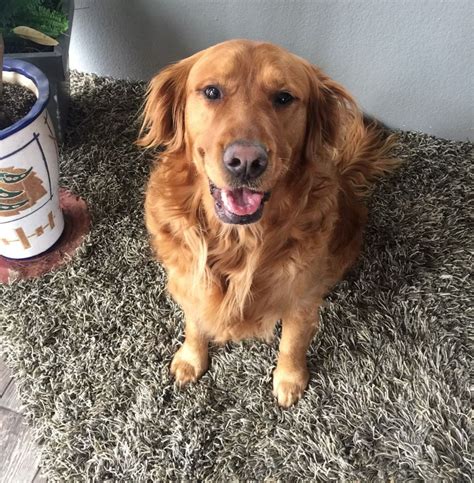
[191,360]
[291,375]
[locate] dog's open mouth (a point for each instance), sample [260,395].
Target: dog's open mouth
[239,205]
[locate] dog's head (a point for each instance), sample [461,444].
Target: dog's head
[246,113]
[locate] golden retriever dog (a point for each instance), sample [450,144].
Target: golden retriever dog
[256,206]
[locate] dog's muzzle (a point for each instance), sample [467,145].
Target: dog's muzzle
[239,206]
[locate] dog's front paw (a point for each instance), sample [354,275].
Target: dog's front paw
[188,365]
[288,386]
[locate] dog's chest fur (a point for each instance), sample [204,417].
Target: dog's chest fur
[245,287]
[237,281]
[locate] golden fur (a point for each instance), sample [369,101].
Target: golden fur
[236,281]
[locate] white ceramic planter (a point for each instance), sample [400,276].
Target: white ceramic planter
[31,220]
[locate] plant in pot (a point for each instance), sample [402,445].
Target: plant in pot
[38,31]
[37,219]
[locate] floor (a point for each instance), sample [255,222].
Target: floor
[19,455]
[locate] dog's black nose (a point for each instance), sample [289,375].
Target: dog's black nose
[245,160]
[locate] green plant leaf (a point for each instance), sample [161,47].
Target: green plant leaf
[34,14]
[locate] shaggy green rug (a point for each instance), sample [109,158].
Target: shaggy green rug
[91,343]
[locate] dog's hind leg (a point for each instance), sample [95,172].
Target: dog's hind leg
[191,360]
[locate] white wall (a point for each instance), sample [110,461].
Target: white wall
[410,63]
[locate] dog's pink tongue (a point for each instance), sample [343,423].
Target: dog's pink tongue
[242,201]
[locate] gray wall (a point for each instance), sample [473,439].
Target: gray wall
[408,62]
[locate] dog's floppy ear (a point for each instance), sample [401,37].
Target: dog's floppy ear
[163,114]
[329,107]
[335,125]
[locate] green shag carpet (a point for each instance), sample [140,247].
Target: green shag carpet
[91,344]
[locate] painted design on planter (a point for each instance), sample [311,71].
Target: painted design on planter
[24,239]
[20,189]
[12,176]
[23,190]
[9,194]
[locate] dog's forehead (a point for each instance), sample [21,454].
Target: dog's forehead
[220,61]
[267,63]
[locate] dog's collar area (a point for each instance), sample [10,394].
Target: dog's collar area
[253,200]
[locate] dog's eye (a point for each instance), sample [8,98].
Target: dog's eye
[212,93]
[283,98]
